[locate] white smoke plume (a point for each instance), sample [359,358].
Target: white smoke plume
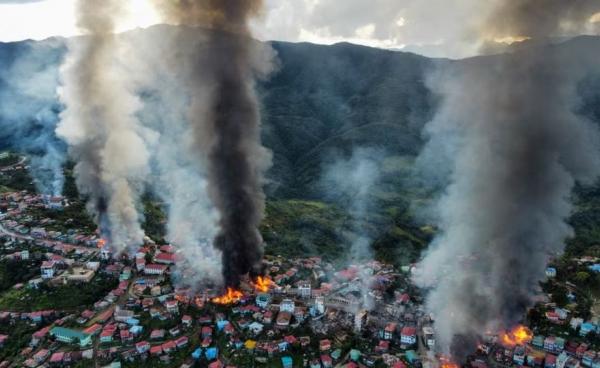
[99,124]
[351,183]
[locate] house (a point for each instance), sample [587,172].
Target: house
[157,334]
[38,336]
[48,269]
[283,319]
[552,317]
[3,339]
[325,345]
[550,343]
[263,300]
[327,361]
[169,347]
[71,336]
[142,347]
[211,353]
[287,362]
[165,258]
[550,272]
[156,350]
[383,346]
[586,328]
[287,305]
[181,342]
[106,336]
[57,358]
[408,335]
[172,306]
[206,331]
[550,361]
[256,328]
[388,331]
[93,330]
[429,337]
[186,320]
[155,269]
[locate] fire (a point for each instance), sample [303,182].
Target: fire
[232,296]
[263,284]
[446,362]
[519,335]
[101,243]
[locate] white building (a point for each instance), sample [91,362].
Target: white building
[287,305]
[304,290]
[48,269]
[429,337]
[320,304]
[155,269]
[360,319]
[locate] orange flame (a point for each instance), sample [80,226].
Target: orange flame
[101,243]
[519,335]
[446,362]
[232,296]
[263,284]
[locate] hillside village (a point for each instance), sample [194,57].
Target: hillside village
[79,305]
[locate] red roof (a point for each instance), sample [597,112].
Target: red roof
[182,340]
[57,357]
[164,258]
[399,365]
[155,350]
[408,331]
[390,327]
[167,249]
[216,364]
[169,345]
[142,344]
[92,329]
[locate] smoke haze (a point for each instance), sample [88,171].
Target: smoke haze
[518,150]
[29,112]
[225,121]
[100,127]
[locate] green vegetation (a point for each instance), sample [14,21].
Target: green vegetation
[14,272]
[19,336]
[62,297]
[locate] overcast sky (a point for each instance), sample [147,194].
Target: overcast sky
[432,27]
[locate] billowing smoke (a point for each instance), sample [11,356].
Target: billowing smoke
[225,121]
[177,177]
[29,111]
[99,124]
[351,183]
[519,148]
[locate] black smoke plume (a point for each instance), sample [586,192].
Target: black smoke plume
[520,149]
[225,122]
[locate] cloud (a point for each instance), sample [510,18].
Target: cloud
[19,1]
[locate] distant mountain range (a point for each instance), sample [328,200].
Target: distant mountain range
[322,103]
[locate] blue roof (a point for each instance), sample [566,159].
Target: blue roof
[197,353]
[287,361]
[212,353]
[68,333]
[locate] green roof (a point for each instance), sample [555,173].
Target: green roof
[68,333]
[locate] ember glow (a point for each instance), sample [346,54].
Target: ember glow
[519,335]
[263,284]
[446,362]
[232,296]
[101,243]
